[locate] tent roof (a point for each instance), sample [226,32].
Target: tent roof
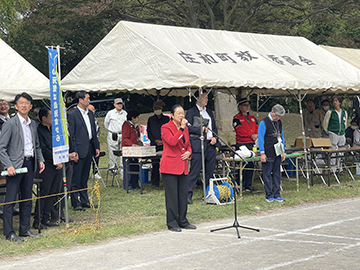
[137,56]
[351,56]
[17,75]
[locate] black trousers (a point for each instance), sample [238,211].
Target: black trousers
[196,166]
[52,179]
[69,173]
[80,178]
[133,178]
[24,182]
[175,199]
[155,172]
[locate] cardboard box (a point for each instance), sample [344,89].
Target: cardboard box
[141,151]
[313,142]
[299,142]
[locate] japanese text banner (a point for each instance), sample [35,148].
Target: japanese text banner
[60,139]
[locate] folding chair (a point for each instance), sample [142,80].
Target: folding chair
[107,169]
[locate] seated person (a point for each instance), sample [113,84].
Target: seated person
[131,137]
[312,120]
[356,133]
[350,130]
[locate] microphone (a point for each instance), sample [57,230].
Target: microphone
[187,123]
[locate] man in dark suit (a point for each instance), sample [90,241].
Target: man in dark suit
[20,148]
[4,112]
[210,142]
[4,116]
[84,141]
[154,125]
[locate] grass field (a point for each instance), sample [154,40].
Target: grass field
[125,215]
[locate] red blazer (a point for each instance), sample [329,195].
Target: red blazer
[129,136]
[174,147]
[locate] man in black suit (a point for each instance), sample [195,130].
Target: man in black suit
[4,112]
[4,116]
[20,148]
[82,131]
[210,142]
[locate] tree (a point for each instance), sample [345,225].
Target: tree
[10,14]
[74,25]
[79,25]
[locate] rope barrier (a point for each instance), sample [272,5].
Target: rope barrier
[43,197]
[93,226]
[73,229]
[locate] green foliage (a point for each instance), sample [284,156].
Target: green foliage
[10,14]
[79,25]
[74,25]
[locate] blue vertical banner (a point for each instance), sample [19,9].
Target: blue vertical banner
[60,139]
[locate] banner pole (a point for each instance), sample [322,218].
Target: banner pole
[64,169]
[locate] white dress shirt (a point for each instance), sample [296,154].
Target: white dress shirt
[28,145]
[85,115]
[4,118]
[205,115]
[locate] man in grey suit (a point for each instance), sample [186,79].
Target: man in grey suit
[20,148]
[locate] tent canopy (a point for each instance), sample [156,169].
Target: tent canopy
[17,75]
[137,56]
[351,56]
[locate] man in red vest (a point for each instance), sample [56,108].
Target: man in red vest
[246,129]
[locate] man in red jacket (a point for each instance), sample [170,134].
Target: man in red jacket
[246,129]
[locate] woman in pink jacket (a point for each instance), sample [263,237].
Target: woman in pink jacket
[174,169]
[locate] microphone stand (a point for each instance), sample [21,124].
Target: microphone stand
[236,224]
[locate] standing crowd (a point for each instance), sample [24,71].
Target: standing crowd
[27,143]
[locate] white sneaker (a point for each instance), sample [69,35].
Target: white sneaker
[97,176]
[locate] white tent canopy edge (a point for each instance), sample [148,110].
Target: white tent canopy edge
[17,75]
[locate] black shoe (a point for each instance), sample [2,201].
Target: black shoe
[190,227]
[63,219]
[252,189]
[29,234]
[36,226]
[79,208]
[87,205]
[189,201]
[50,224]
[175,229]
[14,238]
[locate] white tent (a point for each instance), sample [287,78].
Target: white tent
[351,56]
[17,75]
[136,56]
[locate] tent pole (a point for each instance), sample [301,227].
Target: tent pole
[200,99]
[304,141]
[257,107]
[202,143]
[63,165]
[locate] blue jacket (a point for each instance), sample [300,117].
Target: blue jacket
[262,132]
